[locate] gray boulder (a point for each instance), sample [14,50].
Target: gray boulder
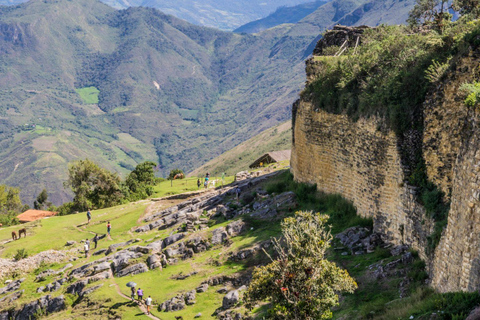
[202,288]
[174,304]
[235,228]
[134,269]
[172,239]
[230,299]
[219,236]
[104,266]
[154,262]
[56,304]
[190,298]
[77,287]
[100,276]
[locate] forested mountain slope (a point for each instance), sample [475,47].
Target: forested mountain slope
[81,79]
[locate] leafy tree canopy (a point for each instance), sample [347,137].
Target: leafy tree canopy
[140,181]
[93,186]
[41,201]
[10,200]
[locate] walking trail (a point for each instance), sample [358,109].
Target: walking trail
[142,307]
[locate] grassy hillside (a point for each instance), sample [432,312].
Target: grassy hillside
[239,158]
[376,298]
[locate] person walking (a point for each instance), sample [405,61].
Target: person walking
[198,183]
[86,247]
[109,227]
[89,216]
[148,302]
[140,294]
[95,240]
[132,295]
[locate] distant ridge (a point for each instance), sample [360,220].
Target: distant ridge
[280,16]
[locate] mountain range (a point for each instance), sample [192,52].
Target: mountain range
[80,79]
[225,15]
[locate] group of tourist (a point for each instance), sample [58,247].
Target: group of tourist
[139,292]
[86,246]
[95,239]
[205,183]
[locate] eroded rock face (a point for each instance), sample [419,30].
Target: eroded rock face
[32,309]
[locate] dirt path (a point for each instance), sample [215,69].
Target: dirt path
[142,307]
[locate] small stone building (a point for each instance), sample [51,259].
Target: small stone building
[32,215]
[271,157]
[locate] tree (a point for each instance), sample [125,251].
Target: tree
[140,181]
[175,172]
[300,283]
[41,201]
[10,200]
[430,12]
[93,186]
[467,7]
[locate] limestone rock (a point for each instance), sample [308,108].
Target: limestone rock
[77,287]
[11,297]
[172,239]
[202,288]
[235,228]
[12,286]
[174,304]
[230,299]
[90,290]
[154,262]
[219,235]
[190,298]
[134,269]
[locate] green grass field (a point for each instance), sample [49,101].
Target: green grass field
[170,187]
[89,95]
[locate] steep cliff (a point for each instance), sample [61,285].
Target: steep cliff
[383,122]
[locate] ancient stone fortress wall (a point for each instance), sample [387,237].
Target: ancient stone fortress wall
[452,154]
[363,164]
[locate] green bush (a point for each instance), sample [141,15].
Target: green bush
[21,254]
[66,208]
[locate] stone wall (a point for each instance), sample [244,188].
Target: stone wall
[364,164]
[452,154]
